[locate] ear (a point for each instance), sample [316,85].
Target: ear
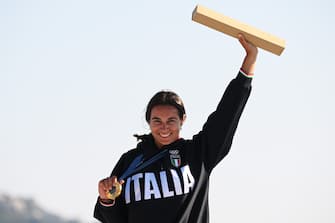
[183,120]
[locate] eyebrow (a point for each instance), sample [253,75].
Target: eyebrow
[170,118]
[155,118]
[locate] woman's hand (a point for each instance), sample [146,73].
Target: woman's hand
[105,185]
[249,62]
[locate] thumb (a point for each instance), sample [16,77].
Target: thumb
[242,40]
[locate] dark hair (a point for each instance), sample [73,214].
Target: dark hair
[165,98]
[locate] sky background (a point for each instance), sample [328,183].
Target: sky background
[75,78]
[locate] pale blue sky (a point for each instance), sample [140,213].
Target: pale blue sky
[75,77]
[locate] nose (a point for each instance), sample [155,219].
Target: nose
[164,126]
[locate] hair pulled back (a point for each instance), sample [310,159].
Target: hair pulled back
[165,97]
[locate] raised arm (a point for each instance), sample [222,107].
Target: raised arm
[216,137]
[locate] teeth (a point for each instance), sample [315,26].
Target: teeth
[164,135]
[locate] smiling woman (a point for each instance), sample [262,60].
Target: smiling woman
[165,115]
[165,124]
[166,177]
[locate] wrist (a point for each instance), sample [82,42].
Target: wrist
[106,202]
[246,73]
[249,64]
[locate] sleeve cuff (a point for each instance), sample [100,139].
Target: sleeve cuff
[104,204]
[243,79]
[248,75]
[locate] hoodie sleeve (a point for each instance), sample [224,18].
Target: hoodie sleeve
[215,138]
[116,213]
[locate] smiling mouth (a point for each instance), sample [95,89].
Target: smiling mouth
[165,135]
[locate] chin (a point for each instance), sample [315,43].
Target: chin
[165,142]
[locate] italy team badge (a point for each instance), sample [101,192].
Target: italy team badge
[175,158]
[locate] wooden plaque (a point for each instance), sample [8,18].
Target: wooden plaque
[233,27]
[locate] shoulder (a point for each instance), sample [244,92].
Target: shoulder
[130,153]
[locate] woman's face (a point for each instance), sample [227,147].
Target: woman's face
[165,124]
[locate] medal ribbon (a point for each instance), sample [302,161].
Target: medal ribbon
[136,165]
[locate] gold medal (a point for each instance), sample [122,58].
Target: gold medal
[115,191]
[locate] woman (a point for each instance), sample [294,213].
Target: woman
[174,186]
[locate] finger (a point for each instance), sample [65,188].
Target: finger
[243,41]
[102,189]
[114,179]
[106,184]
[110,183]
[102,184]
[241,37]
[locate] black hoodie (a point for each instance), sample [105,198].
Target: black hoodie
[175,188]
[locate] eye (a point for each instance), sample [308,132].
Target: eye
[172,121]
[156,121]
